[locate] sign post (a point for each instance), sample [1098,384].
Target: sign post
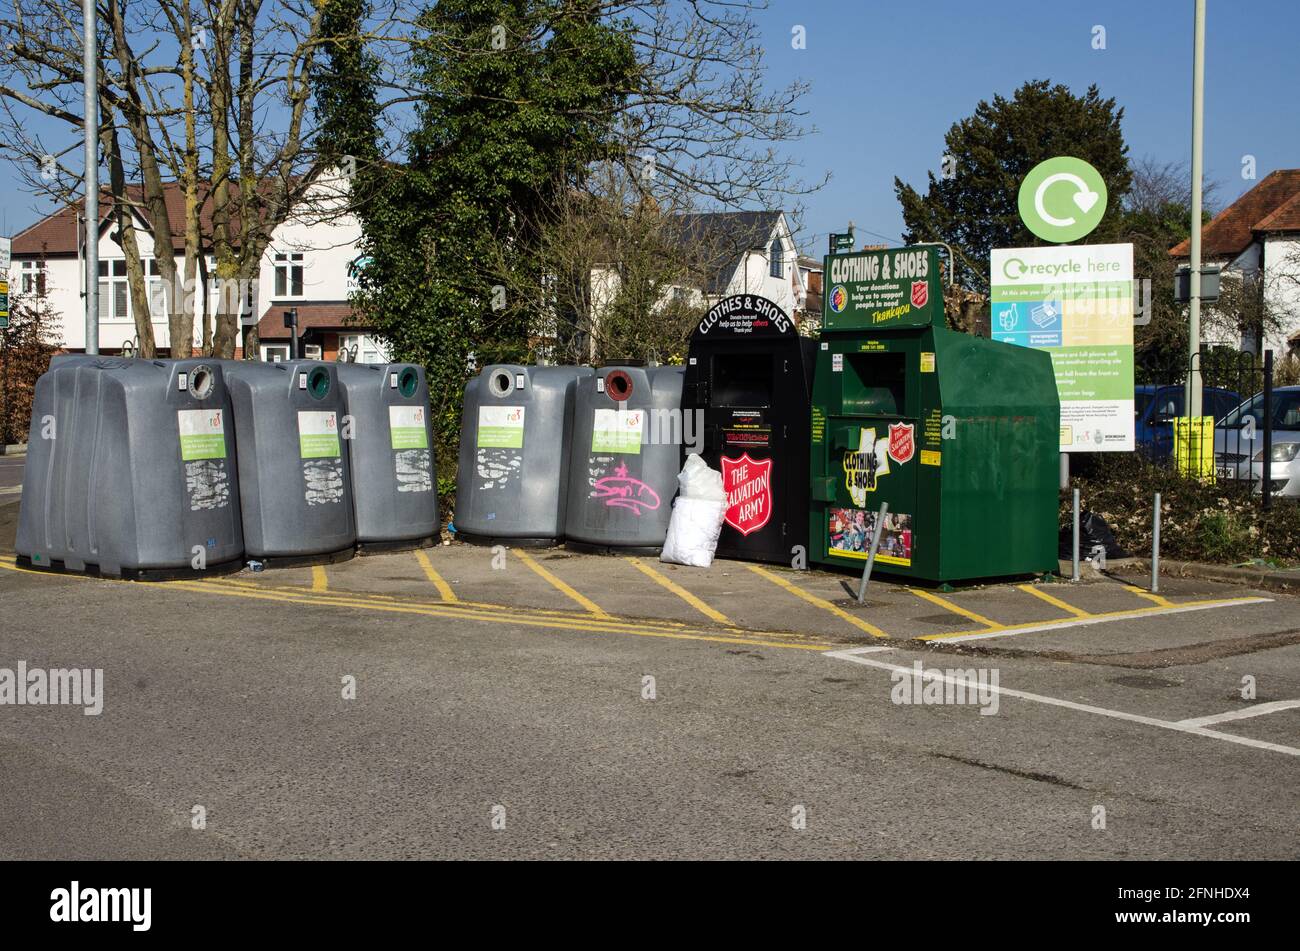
[291,323]
[5,263]
[1072,302]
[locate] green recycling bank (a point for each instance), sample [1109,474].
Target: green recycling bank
[957,433]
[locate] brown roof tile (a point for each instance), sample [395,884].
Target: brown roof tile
[57,233]
[1285,218]
[1233,229]
[330,315]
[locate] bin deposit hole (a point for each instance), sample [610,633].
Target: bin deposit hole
[318,383]
[618,385]
[407,382]
[499,383]
[201,383]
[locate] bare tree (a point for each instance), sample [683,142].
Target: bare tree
[211,94]
[1158,186]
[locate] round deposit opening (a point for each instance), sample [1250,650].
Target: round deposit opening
[202,381]
[499,383]
[318,383]
[408,381]
[618,385]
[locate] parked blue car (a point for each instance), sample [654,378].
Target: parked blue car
[1155,408]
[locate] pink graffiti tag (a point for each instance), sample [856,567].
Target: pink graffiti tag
[621,491]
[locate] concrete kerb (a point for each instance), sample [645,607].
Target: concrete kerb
[14,449]
[1272,579]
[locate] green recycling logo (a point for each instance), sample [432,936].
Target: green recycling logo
[1062,199]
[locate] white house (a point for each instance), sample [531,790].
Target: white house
[307,266]
[743,252]
[1258,236]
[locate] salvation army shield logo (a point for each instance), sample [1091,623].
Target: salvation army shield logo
[839,297]
[748,484]
[902,441]
[920,293]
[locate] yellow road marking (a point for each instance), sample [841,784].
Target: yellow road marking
[1155,611]
[497,614]
[444,589]
[407,599]
[1143,593]
[666,582]
[591,606]
[956,609]
[573,623]
[319,581]
[819,602]
[1070,608]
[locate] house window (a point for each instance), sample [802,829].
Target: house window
[33,277]
[288,275]
[276,354]
[776,266]
[114,301]
[157,291]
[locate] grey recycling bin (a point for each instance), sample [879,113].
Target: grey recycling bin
[514,454]
[627,438]
[130,470]
[394,479]
[295,480]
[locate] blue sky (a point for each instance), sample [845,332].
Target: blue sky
[889,77]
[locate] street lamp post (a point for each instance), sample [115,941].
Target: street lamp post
[1193,401]
[89,75]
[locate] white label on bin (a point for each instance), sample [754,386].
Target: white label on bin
[406,427]
[392,381]
[182,381]
[501,427]
[302,381]
[837,363]
[202,434]
[617,431]
[693,361]
[519,381]
[318,434]
[600,384]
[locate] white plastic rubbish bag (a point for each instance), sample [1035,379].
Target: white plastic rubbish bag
[698,513]
[698,481]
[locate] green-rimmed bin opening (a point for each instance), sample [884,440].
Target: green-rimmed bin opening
[408,381]
[318,383]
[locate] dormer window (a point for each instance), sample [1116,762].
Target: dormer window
[776,263]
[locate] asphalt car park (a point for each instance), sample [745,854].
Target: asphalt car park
[544,703]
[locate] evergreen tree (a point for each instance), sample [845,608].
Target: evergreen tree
[975,208]
[516,99]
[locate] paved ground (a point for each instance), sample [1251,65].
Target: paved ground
[11,474]
[511,688]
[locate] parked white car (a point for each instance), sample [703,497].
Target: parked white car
[1239,443]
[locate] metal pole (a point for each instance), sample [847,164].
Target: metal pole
[1193,402]
[1065,471]
[1266,467]
[1155,547]
[1074,549]
[871,555]
[90,80]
